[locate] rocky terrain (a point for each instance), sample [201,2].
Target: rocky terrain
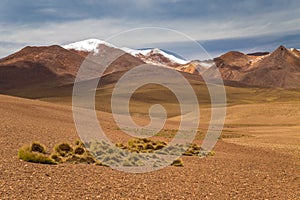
[281,68]
[249,167]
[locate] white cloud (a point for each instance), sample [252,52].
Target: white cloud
[65,32]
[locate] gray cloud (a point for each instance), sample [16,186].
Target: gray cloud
[43,22]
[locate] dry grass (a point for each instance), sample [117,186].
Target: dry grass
[62,152]
[35,153]
[177,163]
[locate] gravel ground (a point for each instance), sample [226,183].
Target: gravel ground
[235,172]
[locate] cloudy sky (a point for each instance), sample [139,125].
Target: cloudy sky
[218,25]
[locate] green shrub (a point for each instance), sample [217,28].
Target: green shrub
[159,146]
[63,152]
[79,150]
[78,143]
[149,146]
[177,163]
[26,153]
[211,153]
[87,158]
[73,159]
[37,147]
[78,153]
[63,149]
[207,153]
[56,158]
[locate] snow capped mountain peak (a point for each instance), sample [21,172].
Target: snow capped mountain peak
[154,56]
[145,54]
[90,45]
[296,52]
[156,50]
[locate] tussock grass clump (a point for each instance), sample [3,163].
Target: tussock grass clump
[62,152]
[193,150]
[211,153]
[35,153]
[79,150]
[149,146]
[56,158]
[134,154]
[207,153]
[37,147]
[63,149]
[177,163]
[78,143]
[142,145]
[87,159]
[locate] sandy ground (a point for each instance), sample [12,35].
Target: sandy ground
[264,164]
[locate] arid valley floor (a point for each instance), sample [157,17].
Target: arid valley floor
[257,157]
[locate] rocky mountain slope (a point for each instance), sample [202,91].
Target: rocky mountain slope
[38,68]
[153,56]
[54,66]
[281,68]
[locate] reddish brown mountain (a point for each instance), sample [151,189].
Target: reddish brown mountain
[193,67]
[41,68]
[156,57]
[295,52]
[36,69]
[38,66]
[280,68]
[123,63]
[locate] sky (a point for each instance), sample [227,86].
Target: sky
[218,25]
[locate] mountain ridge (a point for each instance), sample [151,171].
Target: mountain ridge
[279,68]
[58,65]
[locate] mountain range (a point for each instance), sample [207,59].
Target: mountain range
[40,68]
[280,68]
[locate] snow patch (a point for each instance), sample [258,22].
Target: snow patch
[148,52]
[90,45]
[207,64]
[295,51]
